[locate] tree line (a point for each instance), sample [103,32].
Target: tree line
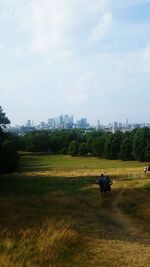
[8,148]
[134,145]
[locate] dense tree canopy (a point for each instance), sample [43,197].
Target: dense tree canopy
[118,145]
[3,119]
[125,146]
[73,149]
[141,141]
[8,146]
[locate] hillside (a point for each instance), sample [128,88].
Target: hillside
[55,216]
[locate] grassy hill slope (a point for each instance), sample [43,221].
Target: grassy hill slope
[52,214]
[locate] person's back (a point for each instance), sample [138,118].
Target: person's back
[100,181]
[108,183]
[101,184]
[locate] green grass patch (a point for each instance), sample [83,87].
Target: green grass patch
[31,185]
[61,162]
[147,186]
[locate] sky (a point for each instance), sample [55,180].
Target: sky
[87,58]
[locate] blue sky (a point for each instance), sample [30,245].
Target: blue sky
[89,58]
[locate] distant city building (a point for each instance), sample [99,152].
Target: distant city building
[62,122]
[28,124]
[67,122]
[82,123]
[98,125]
[115,126]
[53,123]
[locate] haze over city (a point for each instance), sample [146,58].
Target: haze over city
[87,58]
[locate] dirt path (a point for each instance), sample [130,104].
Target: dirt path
[135,232]
[117,239]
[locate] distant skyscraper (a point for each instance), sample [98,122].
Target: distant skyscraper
[82,123]
[28,124]
[115,126]
[98,125]
[53,123]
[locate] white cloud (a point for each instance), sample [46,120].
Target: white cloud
[1,47]
[102,27]
[145,58]
[81,89]
[55,24]
[46,24]
[137,2]
[54,52]
[130,3]
[146,53]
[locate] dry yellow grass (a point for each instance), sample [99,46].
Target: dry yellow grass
[118,173]
[77,228]
[48,245]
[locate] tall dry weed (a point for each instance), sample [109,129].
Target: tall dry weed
[49,245]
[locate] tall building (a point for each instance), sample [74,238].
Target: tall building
[82,123]
[62,122]
[28,124]
[98,125]
[115,126]
[53,123]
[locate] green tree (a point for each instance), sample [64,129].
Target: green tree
[147,152]
[73,149]
[126,149]
[91,138]
[9,159]
[37,141]
[98,146]
[3,119]
[82,149]
[112,145]
[140,141]
[89,143]
[8,149]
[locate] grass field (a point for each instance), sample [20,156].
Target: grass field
[61,162]
[52,214]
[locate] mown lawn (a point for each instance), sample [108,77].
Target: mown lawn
[61,162]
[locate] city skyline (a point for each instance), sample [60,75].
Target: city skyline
[66,122]
[89,58]
[70,119]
